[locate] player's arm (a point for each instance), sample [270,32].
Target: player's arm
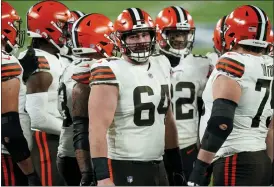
[11,132]
[226,92]
[269,140]
[37,98]
[172,156]
[103,100]
[80,96]
[102,105]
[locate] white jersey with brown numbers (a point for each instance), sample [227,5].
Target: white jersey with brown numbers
[53,64]
[254,74]
[138,128]
[65,148]
[11,68]
[188,79]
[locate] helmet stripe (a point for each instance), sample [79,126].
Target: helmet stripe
[262,22]
[177,14]
[136,15]
[180,9]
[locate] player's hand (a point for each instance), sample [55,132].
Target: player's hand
[29,63]
[88,179]
[105,182]
[197,175]
[34,180]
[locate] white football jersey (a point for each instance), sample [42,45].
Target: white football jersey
[55,65]
[138,128]
[213,57]
[10,68]
[188,79]
[67,83]
[255,76]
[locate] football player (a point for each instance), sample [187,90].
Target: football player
[130,103]
[218,41]
[17,167]
[175,37]
[90,43]
[238,105]
[47,26]
[66,161]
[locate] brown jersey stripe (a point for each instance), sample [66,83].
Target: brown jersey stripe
[44,66]
[81,77]
[229,70]
[233,61]
[10,67]
[42,59]
[231,66]
[11,74]
[9,64]
[11,70]
[101,68]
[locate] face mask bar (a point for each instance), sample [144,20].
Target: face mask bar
[177,48]
[139,52]
[20,34]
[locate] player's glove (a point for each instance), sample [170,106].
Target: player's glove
[88,179]
[198,173]
[33,179]
[29,63]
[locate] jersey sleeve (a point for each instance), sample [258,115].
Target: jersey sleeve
[10,67]
[81,74]
[43,64]
[102,73]
[231,65]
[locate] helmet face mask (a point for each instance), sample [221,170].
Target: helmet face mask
[176,41]
[135,35]
[175,31]
[138,45]
[11,32]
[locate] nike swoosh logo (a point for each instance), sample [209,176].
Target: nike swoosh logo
[190,151]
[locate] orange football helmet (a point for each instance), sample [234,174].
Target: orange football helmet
[177,20]
[11,32]
[48,19]
[132,21]
[75,15]
[246,25]
[90,34]
[218,36]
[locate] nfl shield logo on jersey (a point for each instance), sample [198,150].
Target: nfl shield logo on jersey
[129,179]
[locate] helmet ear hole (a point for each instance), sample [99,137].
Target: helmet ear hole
[49,29]
[38,9]
[246,13]
[231,34]
[88,24]
[7,31]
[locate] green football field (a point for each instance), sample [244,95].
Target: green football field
[204,13]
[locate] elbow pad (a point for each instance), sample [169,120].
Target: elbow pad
[12,137]
[80,131]
[37,108]
[220,124]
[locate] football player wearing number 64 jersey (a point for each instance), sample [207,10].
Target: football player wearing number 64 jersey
[238,106]
[130,103]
